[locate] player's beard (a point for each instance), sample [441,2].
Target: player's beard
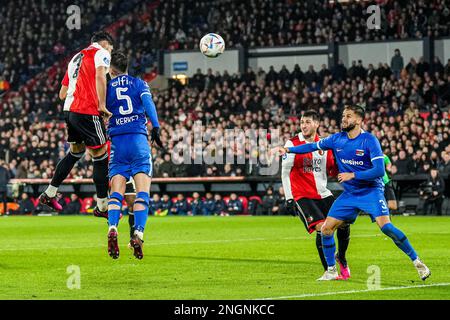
[349,127]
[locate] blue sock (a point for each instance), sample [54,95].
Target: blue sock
[400,240]
[140,216]
[329,249]
[114,214]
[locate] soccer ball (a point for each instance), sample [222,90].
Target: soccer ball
[212,45]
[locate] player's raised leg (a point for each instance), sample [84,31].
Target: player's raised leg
[114,209]
[402,242]
[63,168]
[329,248]
[140,209]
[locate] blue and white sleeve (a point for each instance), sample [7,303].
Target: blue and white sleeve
[327,143]
[149,105]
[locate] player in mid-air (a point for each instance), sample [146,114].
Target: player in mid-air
[361,165]
[304,178]
[130,102]
[84,91]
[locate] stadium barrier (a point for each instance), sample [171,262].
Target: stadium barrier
[405,186]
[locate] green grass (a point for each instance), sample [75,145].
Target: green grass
[213,258]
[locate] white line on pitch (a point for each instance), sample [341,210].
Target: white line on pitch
[306,295]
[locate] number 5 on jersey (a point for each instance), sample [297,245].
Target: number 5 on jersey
[121,96]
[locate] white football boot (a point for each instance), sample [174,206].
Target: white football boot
[422,269]
[330,274]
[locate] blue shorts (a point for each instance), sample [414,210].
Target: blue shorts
[130,155]
[347,206]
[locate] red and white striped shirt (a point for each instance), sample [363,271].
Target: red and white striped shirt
[80,79]
[306,175]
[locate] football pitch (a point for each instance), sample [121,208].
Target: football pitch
[214,258]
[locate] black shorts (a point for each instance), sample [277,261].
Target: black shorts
[389,193]
[130,189]
[313,211]
[85,128]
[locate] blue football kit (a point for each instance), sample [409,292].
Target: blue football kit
[363,156]
[130,101]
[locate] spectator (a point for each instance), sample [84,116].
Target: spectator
[219,205]
[280,203]
[432,193]
[197,205]
[4,180]
[397,63]
[166,205]
[181,206]
[156,205]
[404,165]
[166,167]
[74,206]
[209,204]
[269,201]
[234,205]
[26,206]
[444,167]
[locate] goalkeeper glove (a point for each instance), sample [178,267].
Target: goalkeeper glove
[155,137]
[290,207]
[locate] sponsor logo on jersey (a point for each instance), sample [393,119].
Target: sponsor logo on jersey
[353,162]
[338,150]
[359,152]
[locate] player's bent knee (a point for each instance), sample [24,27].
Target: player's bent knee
[326,230]
[142,201]
[115,201]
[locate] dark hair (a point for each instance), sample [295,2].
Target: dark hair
[119,61]
[311,114]
[357,109]
[101,36]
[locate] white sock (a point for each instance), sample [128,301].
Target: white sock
[51,191]
[112,227]
[102,204]
[139,234]
[332,269]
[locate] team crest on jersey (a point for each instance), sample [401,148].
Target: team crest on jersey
[359,152]
[321,152]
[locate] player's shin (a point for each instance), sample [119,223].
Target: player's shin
[320,249]
[114,209]
[100,177]
[329,249]
[63,168]
[343,237]
[140,209]
[400,240]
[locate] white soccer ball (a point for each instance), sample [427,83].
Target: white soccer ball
[212,45]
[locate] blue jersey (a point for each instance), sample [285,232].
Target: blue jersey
[124,100]
[355,155]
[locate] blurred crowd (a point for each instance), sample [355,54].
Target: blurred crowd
[409,114]
[257,23]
